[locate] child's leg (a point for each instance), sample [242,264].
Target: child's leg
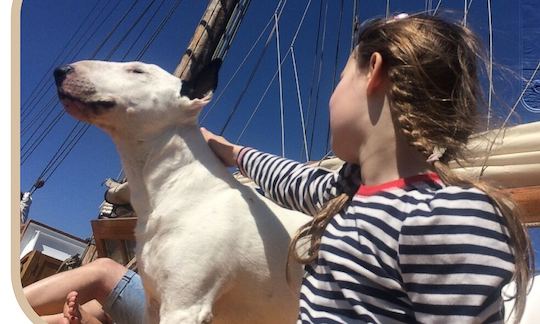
[94,280]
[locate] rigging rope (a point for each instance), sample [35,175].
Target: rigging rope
[315,58]
[321,58]
[130,29]
[54,122]
[338,42]
[465,14]
[231,29]
[279,8]
[354,24]
[38,141]
[437,7]
[300,107]
[47,86]
[215,101]
[43,81]
[159,29]
[53,95]
[490,66]
[143,29]
[281,113]
[71,140]
[500,129]
[275,74]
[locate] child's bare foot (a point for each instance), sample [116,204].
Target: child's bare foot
[72,314]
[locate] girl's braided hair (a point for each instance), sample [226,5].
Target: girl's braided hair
[434,97]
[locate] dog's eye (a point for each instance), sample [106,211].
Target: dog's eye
[137,71]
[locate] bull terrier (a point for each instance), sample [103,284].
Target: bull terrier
[208,248]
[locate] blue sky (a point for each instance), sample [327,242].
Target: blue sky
[49,37]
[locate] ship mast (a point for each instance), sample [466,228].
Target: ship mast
[206,38]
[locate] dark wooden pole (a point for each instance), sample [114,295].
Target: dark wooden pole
[206,37]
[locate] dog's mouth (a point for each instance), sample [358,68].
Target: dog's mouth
[84,109]
[105,104]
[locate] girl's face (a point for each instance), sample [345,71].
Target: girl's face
[348,112]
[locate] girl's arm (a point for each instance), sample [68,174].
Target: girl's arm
[294,185]
[288,183]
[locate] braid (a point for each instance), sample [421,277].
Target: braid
[401,95]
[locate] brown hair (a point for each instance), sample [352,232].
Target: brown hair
[434,96]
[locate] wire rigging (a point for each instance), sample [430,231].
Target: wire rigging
[321,59]
[300,107]
[338,43]
[78,132]
[41,84]
[281,112]
[215,101]
[279,8]
[158,30]
[130,29]
[255,110]
[143,29]
[53,104]
[81,38]
[490,64]
[313,74]
[54,122]
[501,128]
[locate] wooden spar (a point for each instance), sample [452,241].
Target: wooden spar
[206,37]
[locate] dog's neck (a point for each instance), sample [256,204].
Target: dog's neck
[172,165]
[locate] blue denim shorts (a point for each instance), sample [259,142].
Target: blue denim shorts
[126,302]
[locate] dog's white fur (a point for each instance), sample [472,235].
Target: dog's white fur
[208,248]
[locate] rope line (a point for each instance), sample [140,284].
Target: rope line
[338,43]
[281,112]
[315,60]
[437,7]
[275,74]
[490,66]
[300,107]
[252,74]
[500,129]
[318,80]
[42,82]
[159,29]
[231,29]
[36,143]
[130,29]
[48,85]
[53,96]
[215,101]
[143,29]
[54,122]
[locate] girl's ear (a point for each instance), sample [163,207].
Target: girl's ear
[376,74]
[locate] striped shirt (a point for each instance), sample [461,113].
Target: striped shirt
[411,250]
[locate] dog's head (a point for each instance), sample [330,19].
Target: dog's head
[121,97]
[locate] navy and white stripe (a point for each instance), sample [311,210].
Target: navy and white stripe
[416,252]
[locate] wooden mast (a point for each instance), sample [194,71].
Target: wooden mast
[206,37]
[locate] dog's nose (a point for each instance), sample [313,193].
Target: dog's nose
[61,72]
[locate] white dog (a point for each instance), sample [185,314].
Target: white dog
[208,248]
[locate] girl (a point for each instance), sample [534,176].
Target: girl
[415,242]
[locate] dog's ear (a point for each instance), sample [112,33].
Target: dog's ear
[203,83]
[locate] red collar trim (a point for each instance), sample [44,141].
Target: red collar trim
[399,183]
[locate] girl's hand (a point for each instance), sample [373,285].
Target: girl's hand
[225,150]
